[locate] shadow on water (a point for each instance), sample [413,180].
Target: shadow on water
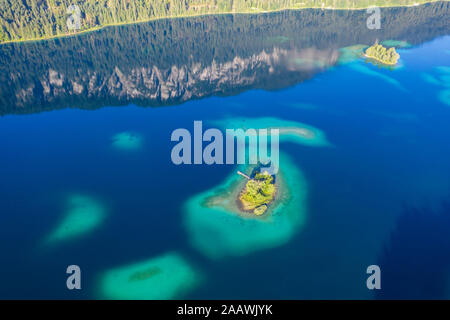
[415,264]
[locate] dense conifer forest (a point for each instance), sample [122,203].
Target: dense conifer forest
[36,19]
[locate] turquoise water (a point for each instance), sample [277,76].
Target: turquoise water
[230,234]
[96,187]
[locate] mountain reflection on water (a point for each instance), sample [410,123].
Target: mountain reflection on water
[171,61]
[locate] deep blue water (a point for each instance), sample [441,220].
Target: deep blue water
[389,152]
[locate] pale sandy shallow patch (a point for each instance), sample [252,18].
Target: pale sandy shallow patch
[351,53]
[290,131]
[444,97]
[83,215]
[396,43]
[168,276]
[127,141]
[430,79]
[302,106]
[218,228]
[370,72]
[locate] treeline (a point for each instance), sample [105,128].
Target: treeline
[35,19]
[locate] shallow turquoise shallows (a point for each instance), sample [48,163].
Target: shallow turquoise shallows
[229,234]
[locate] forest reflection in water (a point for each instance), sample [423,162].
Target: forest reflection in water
[171,61]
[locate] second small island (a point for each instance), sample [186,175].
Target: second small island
[381,54]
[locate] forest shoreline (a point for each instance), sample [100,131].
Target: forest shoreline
[97,28]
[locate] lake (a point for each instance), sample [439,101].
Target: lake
[87,177]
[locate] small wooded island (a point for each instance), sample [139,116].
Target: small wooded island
[381,54]
[258,193]
[44,19]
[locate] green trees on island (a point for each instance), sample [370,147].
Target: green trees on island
[258,193]
[35,19]
[380,53]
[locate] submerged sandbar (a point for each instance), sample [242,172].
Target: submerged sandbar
[258,193]
[83,214]
[167,276]
[217,227]
[290,131]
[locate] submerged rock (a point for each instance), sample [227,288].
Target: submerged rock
[163,277]
[83,214]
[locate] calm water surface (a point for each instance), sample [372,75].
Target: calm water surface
[376,195]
